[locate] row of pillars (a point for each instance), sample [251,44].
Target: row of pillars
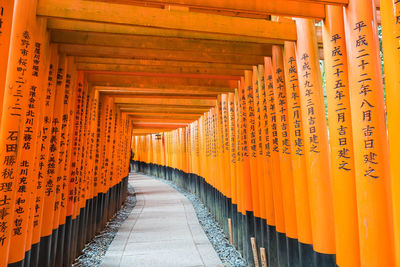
[331,181]
[64,149]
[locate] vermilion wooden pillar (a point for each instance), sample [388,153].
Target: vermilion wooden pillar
[44,60]
[60,172]
[221,173]
[248,202]
[51,181]
[247,178]
[239,170]
[261,227]
[267,168]
[226,145]
[233,165]
[390,12]
[371,155]
[76,165]
[252,148]
[295,120]
[45,118]
[316,143]
[275,162]
[72,189]
[273,131]
[71,90]
[101,124]
[26,179]
[341,138]
[11,127]
[285,153]
[266,146]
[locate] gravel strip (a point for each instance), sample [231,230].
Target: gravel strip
[94,251]
[226,252]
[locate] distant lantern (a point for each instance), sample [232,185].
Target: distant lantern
[158,136]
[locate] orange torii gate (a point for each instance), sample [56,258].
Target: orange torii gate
[224,98]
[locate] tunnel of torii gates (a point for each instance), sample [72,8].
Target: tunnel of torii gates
[223,97]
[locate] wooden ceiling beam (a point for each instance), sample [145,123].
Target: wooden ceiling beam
[154,54]
[180,90]
[140,115]
[150,125]
[158,128]
[160,96]
[165,102]
[73,25]
[159,63]
[90,26]
[152,81]
[158,107]
[149,114]
[200,113]
[160,120]
[163,110]
[158,69]
[165,19]
[159,43]
[293,8]
[230,78]
[139,132]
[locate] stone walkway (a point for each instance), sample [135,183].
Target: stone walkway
[162,230]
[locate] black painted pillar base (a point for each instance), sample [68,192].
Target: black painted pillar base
[293,252]
[306,255]
[34,260]
[282,249]
[44,252]
[324,260]
[272,247]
